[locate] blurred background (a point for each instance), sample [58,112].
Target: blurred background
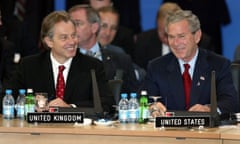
[138,15]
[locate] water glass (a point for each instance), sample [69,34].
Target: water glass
[41,101]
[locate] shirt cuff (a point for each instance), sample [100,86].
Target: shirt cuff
[73,106]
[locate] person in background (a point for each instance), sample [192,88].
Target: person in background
[153,43]
[117,65]
[124,36]
[109,25]
[42,71]
[213,15]
[7,65]
[164,75]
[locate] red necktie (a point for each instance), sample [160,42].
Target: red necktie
[20,9]
[60,83]
[187,82]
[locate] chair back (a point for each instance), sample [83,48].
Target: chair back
[115,87]
[235,69]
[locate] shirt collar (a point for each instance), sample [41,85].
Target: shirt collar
[192,63]
[95,50]
[55,63]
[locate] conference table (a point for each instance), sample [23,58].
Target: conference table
[19,131]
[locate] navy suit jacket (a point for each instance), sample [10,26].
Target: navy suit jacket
[7,64]
[164,79]
[36,72]
[114,61]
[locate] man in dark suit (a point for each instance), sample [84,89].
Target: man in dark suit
[153,43]
[7,64]
[164,75]
[40,72]
[124,36]
[88,26]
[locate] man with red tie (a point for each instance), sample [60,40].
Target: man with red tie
[183,77]
[61,71]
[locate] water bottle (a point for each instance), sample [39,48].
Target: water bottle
[29,102]
[133,111]
[20,103]
[143,107]
[8,105]
[123,109]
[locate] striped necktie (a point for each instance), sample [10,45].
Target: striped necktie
[20,9]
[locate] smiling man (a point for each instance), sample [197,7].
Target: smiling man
[183,77]
[61,71]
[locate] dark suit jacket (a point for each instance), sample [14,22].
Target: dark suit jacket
[114,61]
[7,65]
[124,39]
[164,79]
[149,46]
[36,72]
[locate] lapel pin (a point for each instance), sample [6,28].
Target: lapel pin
[198,84]
[202,78]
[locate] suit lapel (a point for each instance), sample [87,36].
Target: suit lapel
[47,75]
[200,77]
[175,83]
[72,76]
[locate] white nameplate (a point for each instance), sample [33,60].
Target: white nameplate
[57,117]
[182,121]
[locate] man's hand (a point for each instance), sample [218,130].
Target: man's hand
[158,108]
[58,103]
[200,108]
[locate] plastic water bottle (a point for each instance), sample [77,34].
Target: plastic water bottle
[20,103]
[133,109]
[29,102]
[123,109]
[8,105]
[143,107]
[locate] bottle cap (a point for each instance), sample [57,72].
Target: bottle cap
[29,90]
[8,91]
[133,95]
[143,92]
[22,91]
[123,95]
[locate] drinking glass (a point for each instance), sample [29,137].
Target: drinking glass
[155,111]
[41,101]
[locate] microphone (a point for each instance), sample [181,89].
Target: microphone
[119,74]
[91,112]
[96,98]
[215,119]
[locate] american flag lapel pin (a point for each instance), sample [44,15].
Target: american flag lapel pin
[198,83]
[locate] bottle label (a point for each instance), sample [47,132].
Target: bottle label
[20,111]
[8,111]
[133,113]
[123,115]
[145,114]
[29,108]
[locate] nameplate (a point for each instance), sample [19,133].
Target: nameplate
[58,117]
[182,121]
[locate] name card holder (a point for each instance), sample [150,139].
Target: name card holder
[56,117]
[183,121]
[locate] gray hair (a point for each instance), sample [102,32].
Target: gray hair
[92,15]
[193,21]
